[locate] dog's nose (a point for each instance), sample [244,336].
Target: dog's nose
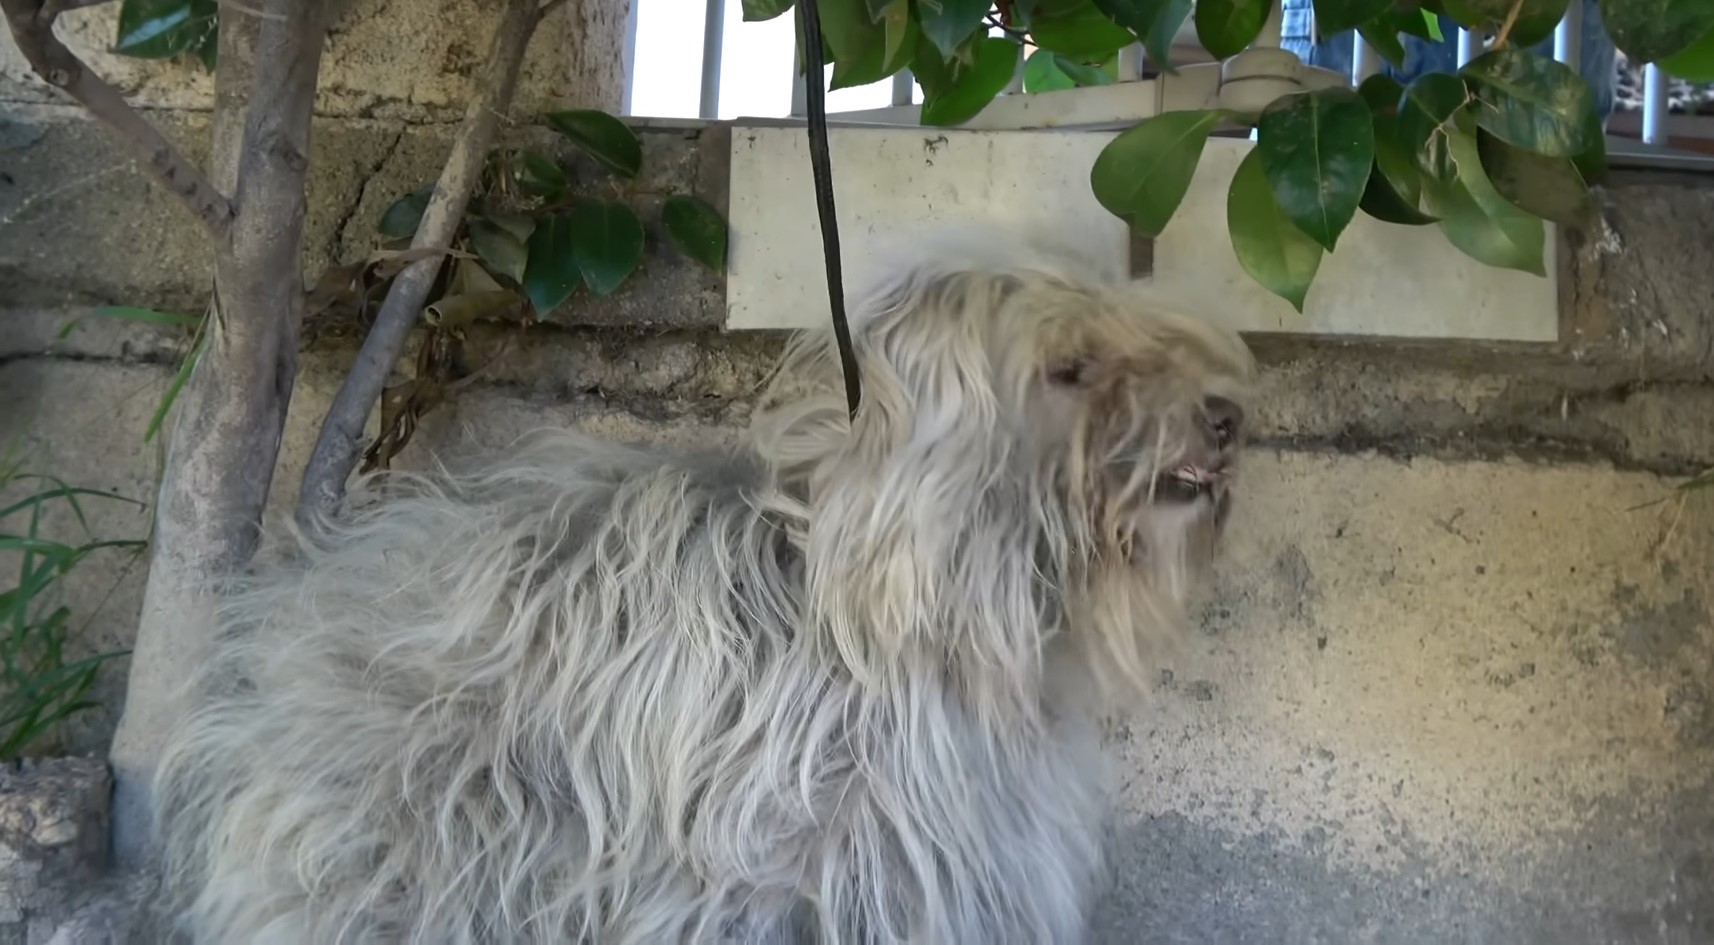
[1223,418]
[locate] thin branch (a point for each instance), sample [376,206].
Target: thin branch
[336,448]
[1506,27]
[60,67]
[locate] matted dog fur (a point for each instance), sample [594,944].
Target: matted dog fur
[842,685]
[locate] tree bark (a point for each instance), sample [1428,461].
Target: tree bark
[226,439]
[337,445]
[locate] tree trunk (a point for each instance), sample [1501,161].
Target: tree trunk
[226,439]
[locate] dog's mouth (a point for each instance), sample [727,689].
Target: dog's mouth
[1188,483]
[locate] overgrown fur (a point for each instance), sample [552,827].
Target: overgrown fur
[840,686]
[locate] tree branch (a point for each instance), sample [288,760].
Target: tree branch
[336,448]
[32,25]
[231,415]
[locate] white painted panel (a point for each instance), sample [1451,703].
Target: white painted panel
[892,183]
[888,185]
[1384,279]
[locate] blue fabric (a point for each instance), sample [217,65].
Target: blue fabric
[1423,56]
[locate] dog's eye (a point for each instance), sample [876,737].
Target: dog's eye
[1071,372]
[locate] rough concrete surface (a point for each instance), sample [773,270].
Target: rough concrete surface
[53,842]
[414,61]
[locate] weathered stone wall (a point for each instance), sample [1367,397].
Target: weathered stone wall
[1453,684]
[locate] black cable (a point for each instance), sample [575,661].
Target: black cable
[821,165]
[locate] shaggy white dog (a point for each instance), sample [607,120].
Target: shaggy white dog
[841,686]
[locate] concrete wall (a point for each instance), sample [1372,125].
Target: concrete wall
[1454,683]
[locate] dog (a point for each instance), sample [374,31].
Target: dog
[841,685]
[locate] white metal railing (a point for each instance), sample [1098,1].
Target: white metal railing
[1366,61]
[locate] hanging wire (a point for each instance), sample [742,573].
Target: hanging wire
[821,165]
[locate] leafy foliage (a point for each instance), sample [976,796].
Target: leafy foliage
[532,236]
[38,687]
[1486,155]
[167,29]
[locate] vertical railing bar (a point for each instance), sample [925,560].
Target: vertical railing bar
[628,61]
[800,94]
[713,43]
[1016,86]
[1654,105]
[903,85]
[1568,36]
[1365,62]
[1468,44]
[1131,63]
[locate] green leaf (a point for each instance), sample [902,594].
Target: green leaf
[126,313]
[1423,24]
[697,229]
[1693,63]
[1048,71]
[607,239]
[1270,248]
[948,23]
[1156,21]
[1336,16]
[603,137]
[1385,40]
[180,377]
[520,225]
[1394,190]
[1701,480]
[1428,111]
[995,61]
[503,252]
[1317,148]
[1480,222]
[1652,30]
[1548,187]
[866,51]
[538,175]
[162,29]
[757,10]
[1082,32]
[1382,93]
[551,273]
[1536,21]
[1141,176]
[1226,27]
[401,219]
[1532,102]
[1592,164]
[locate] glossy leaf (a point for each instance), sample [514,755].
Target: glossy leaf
[1530,101]
[520,225]
[1083,32]
[1694,63]
[1536,21]
[948,23]
[1423,24]
[1394,190]
[1652,30]
[1226,27]
[1141,176]
[551,273]
[1385,40]
[1155,21]
[1382,93]
[503,252]
[869,51]
[993,65]
[607,239]
[1048,71]
[400,220]
[162,29]
[697,229]
[1317,148]
[539,176]
[603,137]
[1592,164]
[1336,16]
[1549,187]
[1427,113]
[1270,248]
[1480,222]
[758,10]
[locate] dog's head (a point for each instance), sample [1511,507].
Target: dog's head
[1037,452]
